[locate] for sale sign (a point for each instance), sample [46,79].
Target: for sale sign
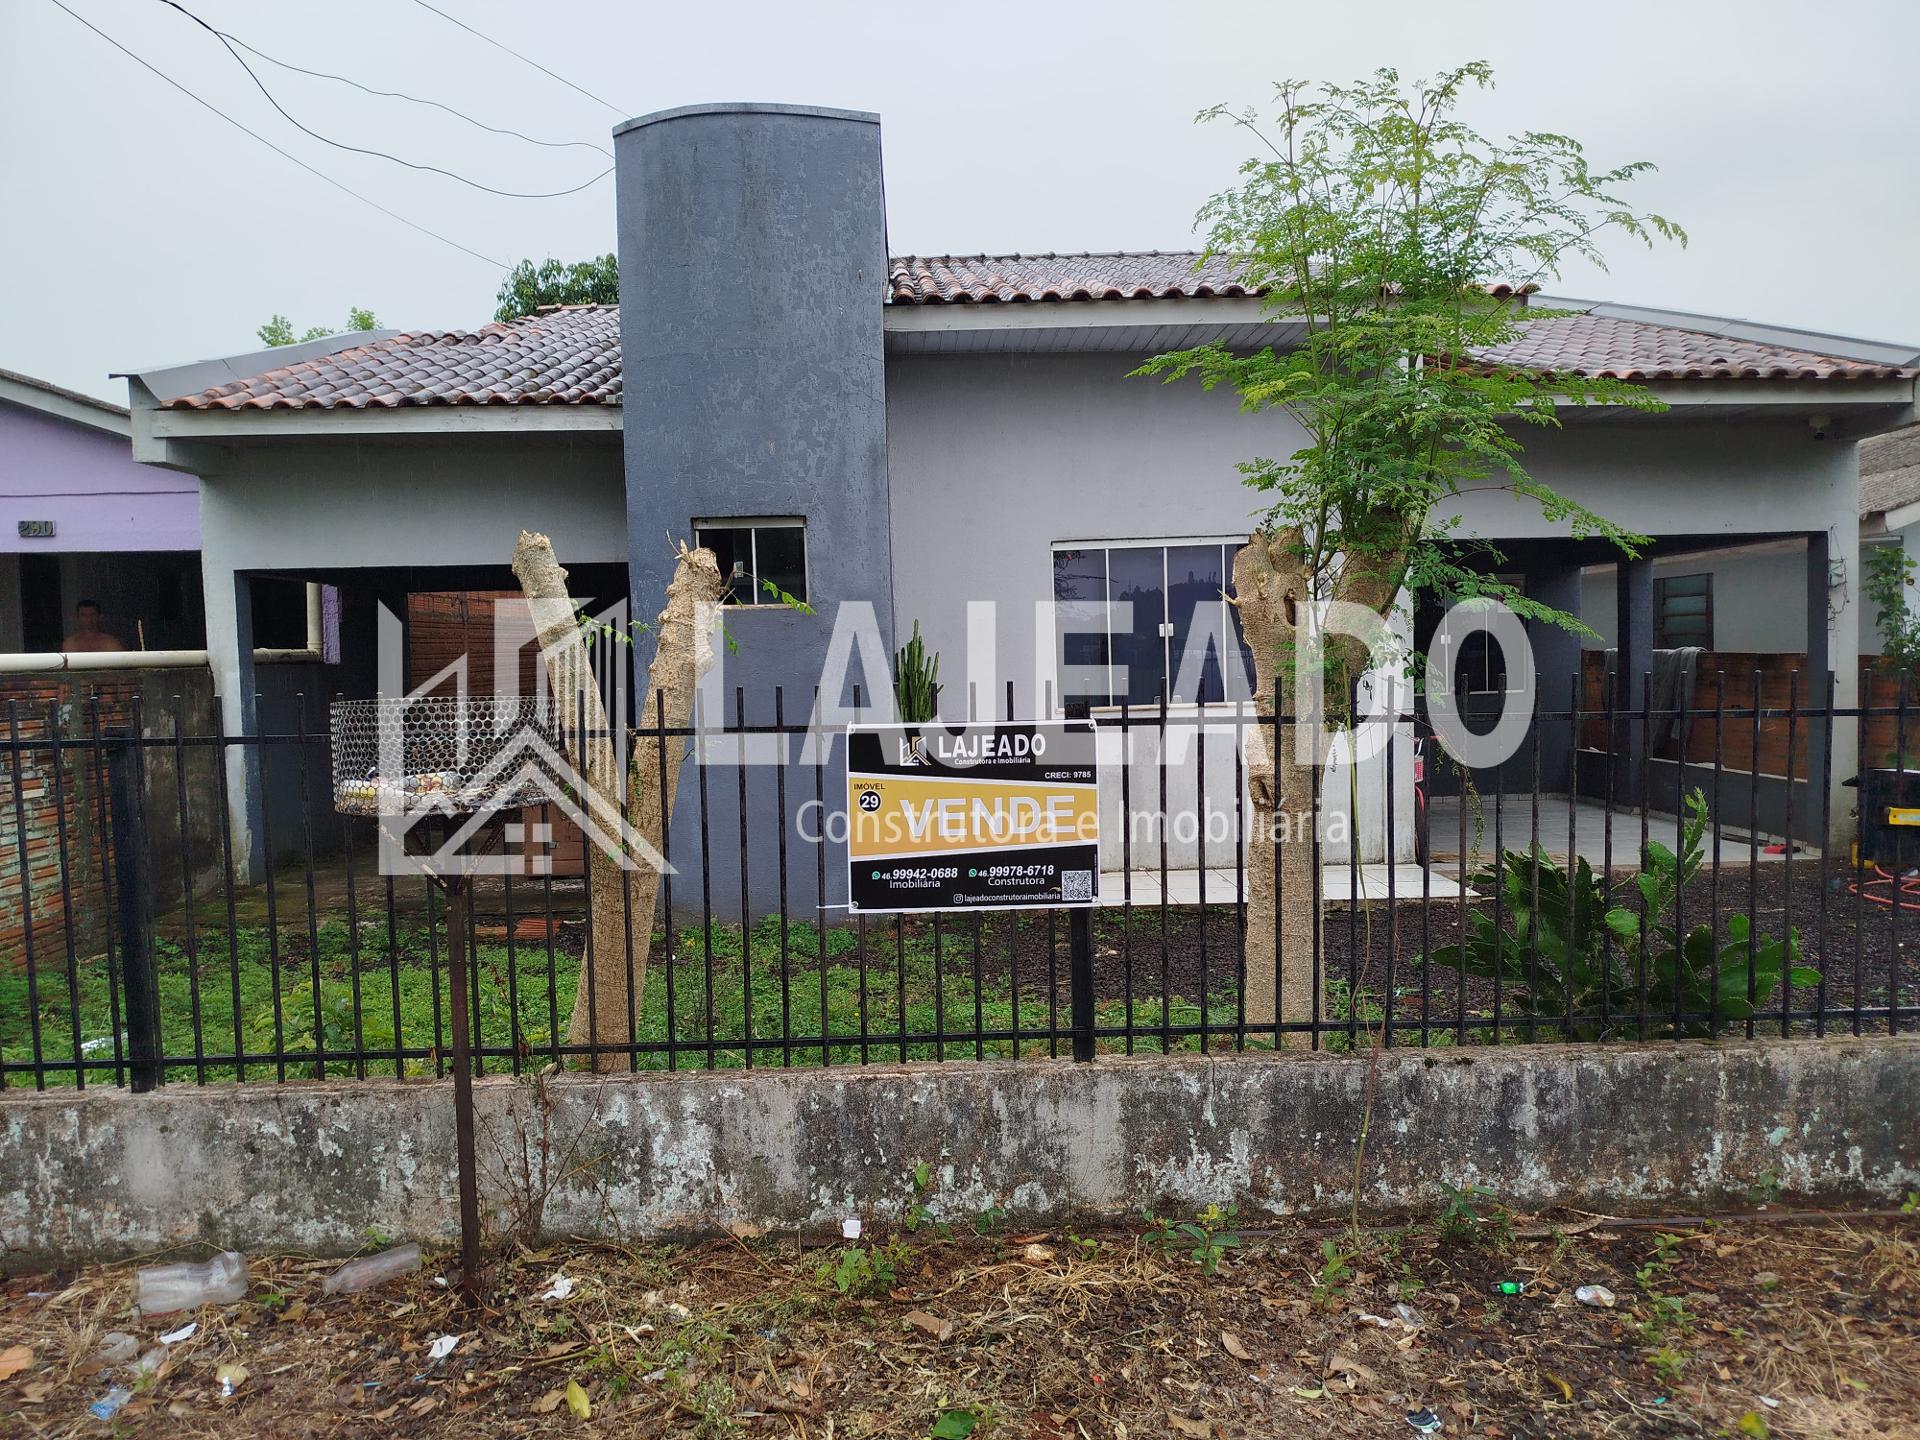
[972,817]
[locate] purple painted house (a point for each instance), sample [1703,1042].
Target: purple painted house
[79,519]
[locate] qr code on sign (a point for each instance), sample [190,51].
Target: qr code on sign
[1076,885]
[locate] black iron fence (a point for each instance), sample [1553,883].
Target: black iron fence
[179,907]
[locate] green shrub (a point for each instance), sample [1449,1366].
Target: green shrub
[1562,952]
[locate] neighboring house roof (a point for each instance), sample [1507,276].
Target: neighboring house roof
[1114,275]
[565,356]
[65,404]
[1089,275]
[1602,347]
[1890,471]
[571,356]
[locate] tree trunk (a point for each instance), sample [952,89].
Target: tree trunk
[622,889]
[1271,591]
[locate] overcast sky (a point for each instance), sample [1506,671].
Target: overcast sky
[140,229]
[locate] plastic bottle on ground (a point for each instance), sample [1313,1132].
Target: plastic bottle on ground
[371,1270]
[186,1285]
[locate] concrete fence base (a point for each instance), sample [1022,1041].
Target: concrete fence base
[313,1166]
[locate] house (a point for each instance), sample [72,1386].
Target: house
[899,438]
[81,520]
[1889,508]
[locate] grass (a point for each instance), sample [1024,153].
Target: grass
[371,990]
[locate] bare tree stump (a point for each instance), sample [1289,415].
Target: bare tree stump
[622,887]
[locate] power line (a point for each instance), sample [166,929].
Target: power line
[362,150]
[319,174]
[518,56]
[417,100]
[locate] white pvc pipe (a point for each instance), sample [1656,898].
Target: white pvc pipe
[37,662]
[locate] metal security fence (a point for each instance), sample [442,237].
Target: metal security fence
[1618,878]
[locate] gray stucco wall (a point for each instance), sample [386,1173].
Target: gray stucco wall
[432,499]
[753,260]
[1071,450]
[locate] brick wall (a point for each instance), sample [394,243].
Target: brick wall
[446,624]
[35,793]
[78,789]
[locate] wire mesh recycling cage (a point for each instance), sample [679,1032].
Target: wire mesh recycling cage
[474,755]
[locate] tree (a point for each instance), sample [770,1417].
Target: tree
[1401,240]
[622,888]
[528,287]
[279,330]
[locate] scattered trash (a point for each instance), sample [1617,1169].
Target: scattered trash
[1597,1296]
[185,1332]
[150,1363]
[371,1270]
[231,1376]
[441,1281]
[1510,1287]
[187,1285]
[1408,1316]
[1037,1254]
[1424,1420]
[108,1405]
[1769,1402]
[561,1287]
[850,1228]
[768,1334]
[116,1348]
[442,1347]
[679,1311]
[1367,1318]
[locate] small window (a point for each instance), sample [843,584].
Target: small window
[765,559]
[1683,612]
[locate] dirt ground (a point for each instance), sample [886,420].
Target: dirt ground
[1761,1325]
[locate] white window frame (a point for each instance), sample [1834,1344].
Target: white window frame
[1163,544]
[755,524]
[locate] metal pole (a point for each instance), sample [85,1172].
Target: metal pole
[134,903]
[1080,957]
[459,924]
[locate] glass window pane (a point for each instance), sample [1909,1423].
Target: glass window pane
[783,561]
[1080,593]
[1249,677]
[732,547]
[1194,585]
[1136,578]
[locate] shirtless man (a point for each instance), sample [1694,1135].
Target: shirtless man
[87,634]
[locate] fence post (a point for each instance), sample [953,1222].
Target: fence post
[1080,951]
[133,902]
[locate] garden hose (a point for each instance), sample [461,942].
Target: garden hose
[1886,889]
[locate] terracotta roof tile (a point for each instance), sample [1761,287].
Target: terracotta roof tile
[571,355]
[564,356]
[1116,275]
[1090,275]
[1610,348]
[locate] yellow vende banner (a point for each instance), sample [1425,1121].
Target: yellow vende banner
[897,816]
